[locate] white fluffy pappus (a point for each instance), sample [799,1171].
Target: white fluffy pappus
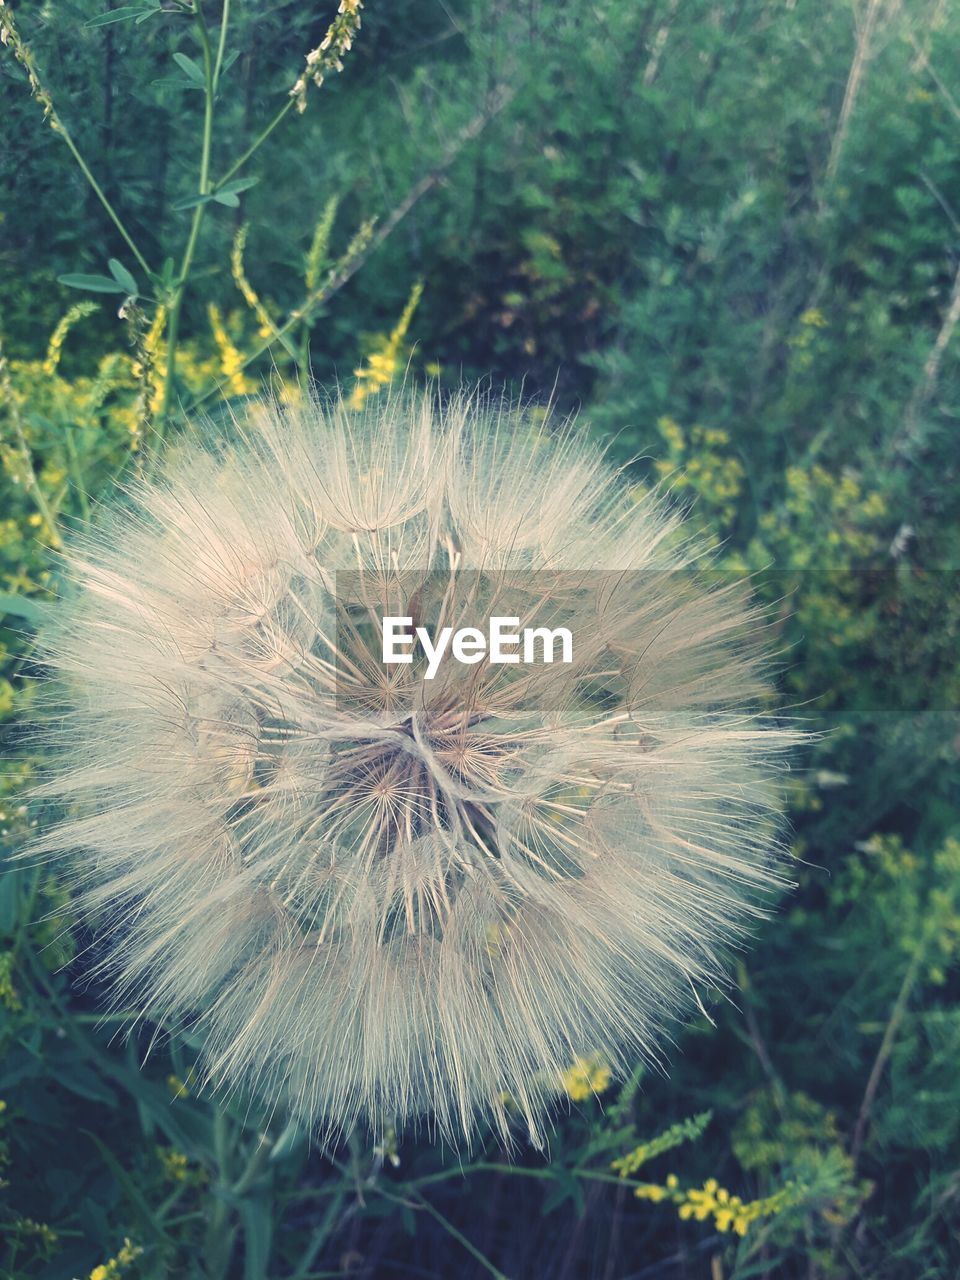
[379,898]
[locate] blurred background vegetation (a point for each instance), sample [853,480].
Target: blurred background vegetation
[729,234]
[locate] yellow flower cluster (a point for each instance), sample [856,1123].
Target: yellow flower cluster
[250,295]
[821,513]
[11,38]
[713,1201]
[177,1167]
[700,460]
[587,1076]
[181,1088]
[44,1235]
[684,1131]
[806,336]
[9,996]
[59,335]
[318,253]
[175,1164]
[231,359]
[382,364]
[115,1267]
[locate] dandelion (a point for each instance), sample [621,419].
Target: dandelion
[380,897]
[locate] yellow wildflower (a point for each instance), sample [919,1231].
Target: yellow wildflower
[250,296]
[180,1088]
[713,1201]
[587,1076]
[814,318]
[9,996]
[231,359]
[59,335]
[382,364]
[113,1268]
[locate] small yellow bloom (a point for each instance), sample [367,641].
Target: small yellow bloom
[382,364]
[587,1076]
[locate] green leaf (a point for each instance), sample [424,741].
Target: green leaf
[78,1078]
[293,1137]
[191,69]
[125,13]
[565,1187]
[123,276]
[10,881]
[238,184]
[227,194]
[229,60]
[190,202]
[175,82]
[95,284]
[143,1211]
[21,607]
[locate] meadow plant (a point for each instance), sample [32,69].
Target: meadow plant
[377,896]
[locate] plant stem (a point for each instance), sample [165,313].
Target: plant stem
[221,44]
[257,143]
[461,1239]
[31,483]
[345,270]
[76,471]
[887,1043]
[101,196]
[24,55]
[211,72]
[219,1240]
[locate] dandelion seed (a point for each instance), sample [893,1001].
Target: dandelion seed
[378,897]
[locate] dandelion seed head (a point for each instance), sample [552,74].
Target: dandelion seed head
[379,897]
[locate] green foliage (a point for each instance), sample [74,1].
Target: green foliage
[741,254]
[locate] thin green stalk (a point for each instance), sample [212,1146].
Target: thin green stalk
[349,266]
[101,196]
[546,1174]
[219,1237]
[451,1230]
[32,484]
[897,1014]
[210,73]
[255,1166]
[76,472]
[257,143]
[24,56]
[221,43]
